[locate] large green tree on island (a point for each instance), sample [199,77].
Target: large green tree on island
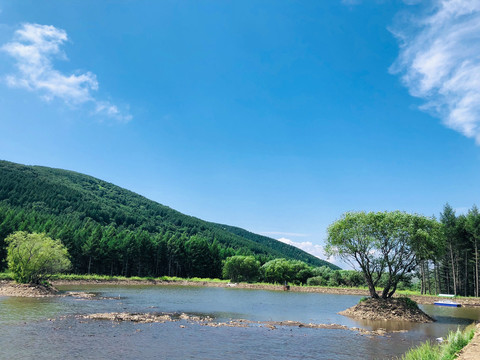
[387,244]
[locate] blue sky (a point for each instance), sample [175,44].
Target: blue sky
[275,116]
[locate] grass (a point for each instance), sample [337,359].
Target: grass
[447,350]
[409,303]
[6,275]
[94,277]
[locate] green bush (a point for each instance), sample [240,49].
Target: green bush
[317,281]
[241,268]
[32,258]
[283,270]
[411,304]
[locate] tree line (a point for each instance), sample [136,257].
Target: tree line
[454,265]
[112,250]
[441,256]
[108,229]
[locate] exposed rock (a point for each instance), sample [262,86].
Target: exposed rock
[134,317]
[398,309]
[208,321]
[80,294]
[146,317]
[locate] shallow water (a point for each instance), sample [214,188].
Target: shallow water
[36,327]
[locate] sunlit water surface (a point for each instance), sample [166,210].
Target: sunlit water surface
[45,328]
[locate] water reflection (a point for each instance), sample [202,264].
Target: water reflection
[18,309]
[24,321]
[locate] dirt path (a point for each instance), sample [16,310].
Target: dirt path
[472,350]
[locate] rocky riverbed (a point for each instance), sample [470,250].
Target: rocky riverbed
[161,318]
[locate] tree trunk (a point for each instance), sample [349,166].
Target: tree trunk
[386,290]
[427,271]
[371,288]
[466,274]
[459,284]
[422,278]
[446,271]
[89,264]
[476,268]
[453,271]
[368,279]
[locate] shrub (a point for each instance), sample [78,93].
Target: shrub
[241,268]
[283,270]
[409,303]
[32,258]
[317,281]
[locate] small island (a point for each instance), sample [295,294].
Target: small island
[385,244]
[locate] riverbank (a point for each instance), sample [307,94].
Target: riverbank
[420,299]
[9,288]
[460,345]
[472,350]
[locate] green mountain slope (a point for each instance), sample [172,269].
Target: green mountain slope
[112,230]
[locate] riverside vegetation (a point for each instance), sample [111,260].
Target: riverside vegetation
[111,231]
[448,350]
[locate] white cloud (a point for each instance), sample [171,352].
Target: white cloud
[313,249]
[439,61]
[103,107]
[34,47]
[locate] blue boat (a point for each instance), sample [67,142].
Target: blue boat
[447,303]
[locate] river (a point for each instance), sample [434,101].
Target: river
[46,328]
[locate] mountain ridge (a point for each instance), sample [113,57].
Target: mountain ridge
[87,213]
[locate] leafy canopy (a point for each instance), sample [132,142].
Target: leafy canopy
[33,257]
[383,243]
[283,270]
[241,268]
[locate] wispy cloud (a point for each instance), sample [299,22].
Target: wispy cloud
[439,61]
[34,48]
[313,249]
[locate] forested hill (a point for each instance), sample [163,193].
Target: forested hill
[111,230]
